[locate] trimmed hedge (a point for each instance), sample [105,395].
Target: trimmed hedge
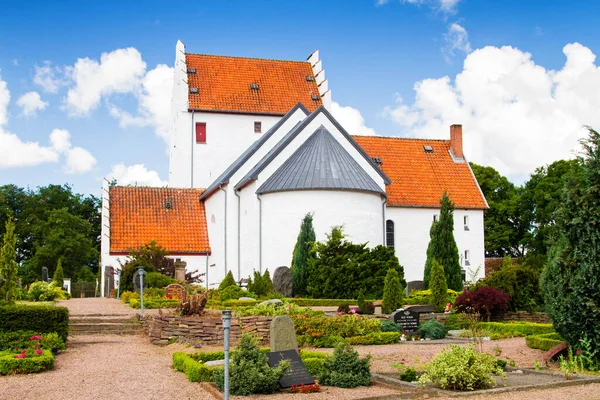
[543,342]
[194,370]
[374,338]
[38,363]
[515,329]
[155,303]
[322,302]
[38,318]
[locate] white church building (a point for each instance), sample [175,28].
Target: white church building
[254,148]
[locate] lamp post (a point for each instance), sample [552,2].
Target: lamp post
[119,272]
[226,316]
[141,272]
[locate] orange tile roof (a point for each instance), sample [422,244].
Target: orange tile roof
[419,178]
[224,84]
[139,215]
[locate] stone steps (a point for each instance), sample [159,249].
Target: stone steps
[104,324]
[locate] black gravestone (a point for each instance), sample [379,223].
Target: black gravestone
[44,274]
[297,374]
[407,320]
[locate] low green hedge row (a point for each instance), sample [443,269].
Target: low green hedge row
[194,370]
[543,342]
[38,318]
[374,338]
[322,302]
[37,363]
[500,330]
[154,303]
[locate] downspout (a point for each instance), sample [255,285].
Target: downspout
[192,154]
[383,201]
[259,233]
[239,245]
[206,274]
[225,229]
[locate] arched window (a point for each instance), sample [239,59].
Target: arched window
[389,234]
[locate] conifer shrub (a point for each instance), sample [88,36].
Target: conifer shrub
[393,292]
[227,281]
[231,292]
[438,286]
[432,329]
[346,369]
[301,256]
[59,278]
[249,372]
[389,326]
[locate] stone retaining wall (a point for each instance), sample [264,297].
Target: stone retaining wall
[209,330]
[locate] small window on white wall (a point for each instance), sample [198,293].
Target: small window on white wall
[389,234]
[466,222]
[435,218]
[257,127]
[467,261]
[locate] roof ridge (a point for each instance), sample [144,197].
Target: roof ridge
[402,138]
[247,58]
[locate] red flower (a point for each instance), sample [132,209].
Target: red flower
[578,352]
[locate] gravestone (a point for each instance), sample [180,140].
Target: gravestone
[136,282]
[414,285]
[44,274]
[275,302]
[282,281]
[283,334]
[297,374]
[175,291]
[407,320]
[109,281]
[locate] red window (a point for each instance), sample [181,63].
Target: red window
[257,127]
[200,132]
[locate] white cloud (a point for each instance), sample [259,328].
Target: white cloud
[4,100]
[516,115]
[119,71]
[60,139]
[351,119]
[137,175]
[31,102]
[78,161]
[456,39]
[48,77]
[444,6]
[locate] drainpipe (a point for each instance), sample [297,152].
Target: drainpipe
[225,228]
[259,233]
[192,154]
[239,245]
[383,200]
[206,274]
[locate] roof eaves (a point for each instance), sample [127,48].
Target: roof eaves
[477,183]
[223,179]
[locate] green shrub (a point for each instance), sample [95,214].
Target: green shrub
[322,302]
[544,341]
[249,372]
[38,318]
[231,292]
[516,329]
[227,281]
[301,255]
[345,369]
[520,282]
[59,277]
[432,329]
[374,338]
[127,296]
[42,291]
[194,370]
[315,366]
[462,368]
[409,375]
[241,303]
[154,292]
[389,326]
[393,292]
[344,326]
[31,363]
[154,303]
[158,280]
[273,309]
[15,339]
[438,286]
[425,297]
[51,341]
[454,322]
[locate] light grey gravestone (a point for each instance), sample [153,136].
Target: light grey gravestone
[136,282]
[45,274]
[283,334]
[282,281]
[275,302]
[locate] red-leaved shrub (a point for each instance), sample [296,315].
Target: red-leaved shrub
[487,301]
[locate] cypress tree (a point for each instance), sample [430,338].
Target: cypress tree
[302,255]
[438,285]
[267,283]
[227,281]
[443,248]
[393,292]
[59,278]
[8,263]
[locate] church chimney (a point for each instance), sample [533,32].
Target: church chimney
[456,141]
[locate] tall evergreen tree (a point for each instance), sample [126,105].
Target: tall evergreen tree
[8,263]
[571,278]
[59,278]
[438,285]
[443,248]
[393,292]
[301,256]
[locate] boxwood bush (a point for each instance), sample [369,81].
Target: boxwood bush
[374,338]
[31,363]
[543,342]
[38,318]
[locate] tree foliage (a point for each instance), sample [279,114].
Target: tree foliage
[341,269]
[301,256]
[442,246]
[59,278]
[571,277]
[393,291]
[260,285]
[227,281]
[438,286]
[8,263]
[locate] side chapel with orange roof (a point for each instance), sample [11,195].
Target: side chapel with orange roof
[254,148]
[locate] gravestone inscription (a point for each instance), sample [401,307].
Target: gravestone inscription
[297,374]
[407,320]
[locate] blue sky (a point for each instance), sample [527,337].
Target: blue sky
[403,68]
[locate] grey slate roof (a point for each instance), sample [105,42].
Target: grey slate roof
[270,156]
[320,163]
[223,179]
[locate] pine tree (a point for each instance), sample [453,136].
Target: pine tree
[443,248]
[438,285]
[267,283]
[59,279]
[227,281]
[302,255]
[8,263]
[393,292]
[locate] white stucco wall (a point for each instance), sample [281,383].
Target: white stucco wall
[412,227]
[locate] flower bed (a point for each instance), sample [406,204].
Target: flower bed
[25,361]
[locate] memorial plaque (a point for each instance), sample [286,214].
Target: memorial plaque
[407,320]
[175,291]
[297,374]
